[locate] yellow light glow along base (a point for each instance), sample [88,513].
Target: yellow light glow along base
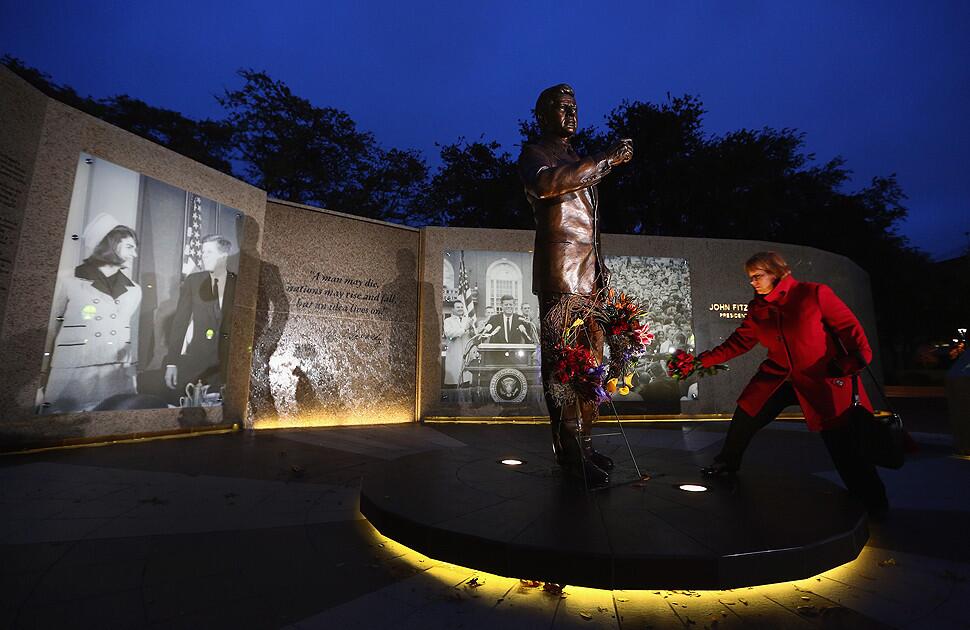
[641,420]
[322,421]
[108,440]
[440,580]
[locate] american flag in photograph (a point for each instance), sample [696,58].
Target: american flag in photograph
[464,290]
[193,235]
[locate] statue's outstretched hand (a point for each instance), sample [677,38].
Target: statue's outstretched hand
[620,152]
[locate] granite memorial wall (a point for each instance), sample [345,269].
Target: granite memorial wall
[695,292]
[336,320]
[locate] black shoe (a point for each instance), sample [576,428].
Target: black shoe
[588,472]
[602,461]
[719,469]
[595,476]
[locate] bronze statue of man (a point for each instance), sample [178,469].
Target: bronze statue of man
[567,264]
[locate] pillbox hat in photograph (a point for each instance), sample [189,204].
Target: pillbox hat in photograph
[97,229]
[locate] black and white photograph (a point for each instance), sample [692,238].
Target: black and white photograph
[490,335]
[144,294]
[661,287]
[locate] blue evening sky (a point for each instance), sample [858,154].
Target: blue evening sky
[884,84]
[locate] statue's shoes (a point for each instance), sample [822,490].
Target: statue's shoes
[595,476]
[588,472]
[601,460]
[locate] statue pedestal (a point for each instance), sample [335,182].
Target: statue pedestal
[464,505]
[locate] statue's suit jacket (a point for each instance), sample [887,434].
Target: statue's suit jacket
[561,187]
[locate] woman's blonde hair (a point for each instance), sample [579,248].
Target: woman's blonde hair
[772,262]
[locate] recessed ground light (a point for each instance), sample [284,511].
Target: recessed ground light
[692,487]
[512,462]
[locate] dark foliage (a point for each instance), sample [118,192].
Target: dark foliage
[205,141]
[477,186]
[316,155]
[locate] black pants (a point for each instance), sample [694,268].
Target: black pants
[860,477]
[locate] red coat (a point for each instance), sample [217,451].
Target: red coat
[798,323]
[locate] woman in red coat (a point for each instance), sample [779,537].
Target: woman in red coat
[815,345]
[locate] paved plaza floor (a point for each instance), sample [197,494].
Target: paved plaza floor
[262,530]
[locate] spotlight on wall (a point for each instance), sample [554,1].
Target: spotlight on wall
[692,487]
[511,462]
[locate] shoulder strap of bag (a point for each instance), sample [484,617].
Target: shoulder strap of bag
[882,394]
[855,377]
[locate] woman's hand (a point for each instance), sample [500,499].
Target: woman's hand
[682,365]
[700,358]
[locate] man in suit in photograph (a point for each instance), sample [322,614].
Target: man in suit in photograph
[205,300]
[532,321]
[507,326]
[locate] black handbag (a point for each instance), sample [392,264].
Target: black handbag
[881,437]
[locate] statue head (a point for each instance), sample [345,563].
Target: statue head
[556,111]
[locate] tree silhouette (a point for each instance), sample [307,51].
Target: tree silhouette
[478,186]
[316,155]
[206,141]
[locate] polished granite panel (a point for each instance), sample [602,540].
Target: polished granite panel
[335,336]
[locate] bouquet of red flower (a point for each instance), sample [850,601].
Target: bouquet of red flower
[682,365]
[572,361]
[578,375]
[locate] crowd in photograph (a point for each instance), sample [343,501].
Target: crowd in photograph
[662,287]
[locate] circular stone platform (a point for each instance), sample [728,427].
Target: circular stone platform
[462,506]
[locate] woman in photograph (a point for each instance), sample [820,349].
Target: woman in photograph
[91,359]
[815,347]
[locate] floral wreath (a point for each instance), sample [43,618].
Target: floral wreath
[577,374]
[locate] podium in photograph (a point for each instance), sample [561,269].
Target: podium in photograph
[507,373]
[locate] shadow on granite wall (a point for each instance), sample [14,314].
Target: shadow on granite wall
[272,313]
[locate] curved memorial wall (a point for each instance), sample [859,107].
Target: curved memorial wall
[144,293]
